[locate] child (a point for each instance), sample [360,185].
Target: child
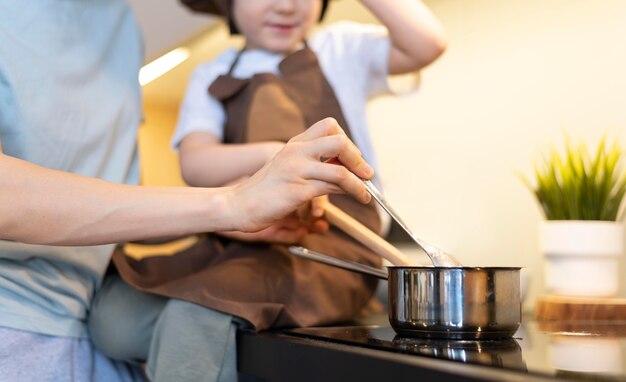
[238,112]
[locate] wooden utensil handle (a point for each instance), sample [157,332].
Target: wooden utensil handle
[364,235]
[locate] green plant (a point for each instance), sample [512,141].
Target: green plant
[580,186]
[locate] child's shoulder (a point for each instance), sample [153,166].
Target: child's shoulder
[219,65]
[345,32]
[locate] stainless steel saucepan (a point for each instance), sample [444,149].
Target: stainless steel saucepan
[444,302]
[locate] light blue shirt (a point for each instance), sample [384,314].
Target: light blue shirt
[69,100]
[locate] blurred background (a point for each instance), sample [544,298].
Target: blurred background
[519,76]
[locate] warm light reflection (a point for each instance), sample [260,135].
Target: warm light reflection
[162,65]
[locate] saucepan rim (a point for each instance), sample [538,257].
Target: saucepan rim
[424,267]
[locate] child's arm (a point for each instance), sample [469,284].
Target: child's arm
[206,162]
[417,37]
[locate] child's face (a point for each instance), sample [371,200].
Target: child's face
[275,25]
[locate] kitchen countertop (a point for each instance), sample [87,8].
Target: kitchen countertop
[368,350]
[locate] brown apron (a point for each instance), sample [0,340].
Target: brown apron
[261,282]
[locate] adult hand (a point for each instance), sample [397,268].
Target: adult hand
[298,174]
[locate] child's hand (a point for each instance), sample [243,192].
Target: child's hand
[292,228]
[312,214]
[417,37]
[289,230]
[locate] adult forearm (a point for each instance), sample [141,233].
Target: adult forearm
[51,207]
[417,37]
[39,205]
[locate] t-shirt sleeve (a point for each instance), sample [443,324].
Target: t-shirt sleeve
[362,52]
[199,110]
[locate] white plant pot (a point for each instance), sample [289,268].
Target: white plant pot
[582,257]
[586,354]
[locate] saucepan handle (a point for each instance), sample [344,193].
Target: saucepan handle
[335,262]
[364,235]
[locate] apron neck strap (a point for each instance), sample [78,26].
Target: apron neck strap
[305,45]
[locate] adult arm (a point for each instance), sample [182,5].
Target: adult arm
[50,207]
[417,37]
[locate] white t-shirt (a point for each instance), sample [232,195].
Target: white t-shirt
[353,57]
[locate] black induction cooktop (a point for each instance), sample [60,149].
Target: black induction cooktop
[592,351]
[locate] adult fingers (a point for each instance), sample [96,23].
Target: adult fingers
[335,146]
[339,176]
[329,127]
[323,128]
[326,139]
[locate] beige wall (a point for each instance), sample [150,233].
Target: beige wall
[518,75]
